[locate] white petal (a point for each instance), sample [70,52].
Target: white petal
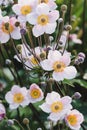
[58,76]
[66,100]
[46,65]
[4,37]
[53,16]
[14,106]
[52,97]
[50,28]
[52,5]
[15,89]
[9,97]
[25,102]
[65,59]
[54,116]
[42,9]
[16,8]
[16,34]
[38,30]
[32,18]
[70,72]
[45,107]
[54,55]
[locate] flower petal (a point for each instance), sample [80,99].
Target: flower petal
[58,76]
[32,18]
[46,65]
[50,28]
[53,16]
[45,107]
[70,72]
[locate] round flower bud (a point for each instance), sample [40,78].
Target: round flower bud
[19,47]
[23,31]
[60,20]
[43,56]
[76,95]
[10,122]
[68,27]
[25,121]
[64,8]
[8,61]
[81,54]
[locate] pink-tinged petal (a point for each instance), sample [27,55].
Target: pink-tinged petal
[16,34]
[28,65]
[4,37]
[24,91]
[46,65]
[9,97]
[66,100]
[38,30]
[50,28]
[65,59]
[58,76]
[13,106]
[16,8]
[52,5]
[42,9]
[53,16]
[54,55]
[25,102]
[45,107]
[77,41]
[22,19]
[15,89]
[32,18]
[55,116]
[70,72]
[52,97]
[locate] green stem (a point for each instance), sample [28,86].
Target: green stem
[19,124]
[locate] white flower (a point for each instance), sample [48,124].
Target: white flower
[23,8]
[16,97]
[50,3]
[56,106]
[2,112]
[43,20]
[28,58]
[60,65]
[35,94]
[7,25]
[74,119]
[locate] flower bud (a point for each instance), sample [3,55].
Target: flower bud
[19,48]
[60,20]
[76,95]
[64,8]
[68,27]
[25,121]
[23,31]
[81,54]
[10,122]
[8,61]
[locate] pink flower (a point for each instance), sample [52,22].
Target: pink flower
[35,94]
[74,119]
[7,26]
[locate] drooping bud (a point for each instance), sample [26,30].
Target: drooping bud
[76,95]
